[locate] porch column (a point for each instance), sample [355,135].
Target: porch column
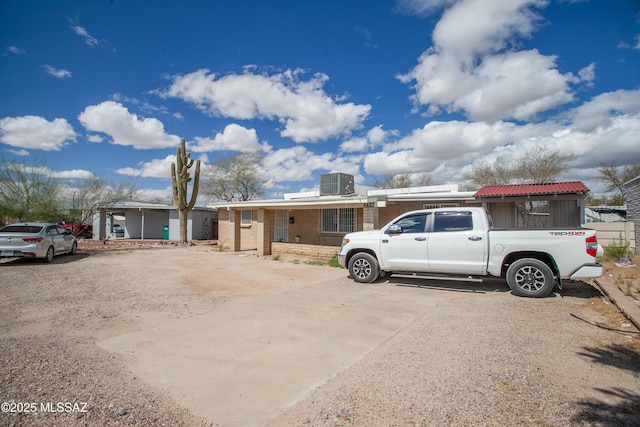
[234,230]
[370,219]
[265,228]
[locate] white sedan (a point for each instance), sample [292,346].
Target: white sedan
[36,240]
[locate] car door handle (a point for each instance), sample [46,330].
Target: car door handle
[420,239]
[475,238]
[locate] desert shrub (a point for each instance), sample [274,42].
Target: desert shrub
[617,249]
[333,261]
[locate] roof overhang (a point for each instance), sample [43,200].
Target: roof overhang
[343,201]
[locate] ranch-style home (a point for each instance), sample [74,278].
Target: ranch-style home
[313,223]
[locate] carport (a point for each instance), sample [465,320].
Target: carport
[150,221]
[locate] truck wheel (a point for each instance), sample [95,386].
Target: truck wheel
[529,277]
[363,267]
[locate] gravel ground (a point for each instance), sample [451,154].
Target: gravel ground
[476,361]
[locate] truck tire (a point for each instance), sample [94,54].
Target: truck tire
[529,277]
[363,268]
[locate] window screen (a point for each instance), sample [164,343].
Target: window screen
[338,220]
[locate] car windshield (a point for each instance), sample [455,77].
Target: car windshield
[21,229]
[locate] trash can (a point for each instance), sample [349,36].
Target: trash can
[165,230]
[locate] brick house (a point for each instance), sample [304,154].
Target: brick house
[314,223]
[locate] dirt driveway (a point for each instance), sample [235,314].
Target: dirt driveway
[190,336]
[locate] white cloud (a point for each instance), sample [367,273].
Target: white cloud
[69,174]
[307,113]
[19,152]
[354,145]
[234,138]
[474,68]
[602,130]
[299,164]
[15,50]
[36,133]
[82,32]
[57,73]
[156,168]
[602,109]
[147,194]
[126,128]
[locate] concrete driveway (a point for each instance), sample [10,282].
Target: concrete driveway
[249,360]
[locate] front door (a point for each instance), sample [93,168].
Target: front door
[281,226]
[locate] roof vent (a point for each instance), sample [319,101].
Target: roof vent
[336,184]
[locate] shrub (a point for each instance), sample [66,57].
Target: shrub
[333,261]
[618,249]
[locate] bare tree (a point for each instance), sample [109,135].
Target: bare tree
[402,180]
[483,173]
[538,165]
[87,197]
[615,176]
[29,193]
[235,178]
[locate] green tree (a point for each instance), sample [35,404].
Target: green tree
[29,193]
[615,176]
[235,178]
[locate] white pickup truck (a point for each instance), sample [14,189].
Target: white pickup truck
[460,243]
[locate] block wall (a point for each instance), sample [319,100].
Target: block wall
[632,197]
[323,253]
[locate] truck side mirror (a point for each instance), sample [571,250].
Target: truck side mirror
[393,229]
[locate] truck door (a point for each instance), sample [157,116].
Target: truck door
[404,244]
[455,246]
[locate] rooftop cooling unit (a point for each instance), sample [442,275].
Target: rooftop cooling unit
[336,184]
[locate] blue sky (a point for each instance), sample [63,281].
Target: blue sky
[365,87]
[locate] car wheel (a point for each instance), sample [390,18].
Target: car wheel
[74,248]
[530,277]
[50,254]
[363,267]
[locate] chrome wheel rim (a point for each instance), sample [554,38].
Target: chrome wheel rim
[530,278]
[361,268]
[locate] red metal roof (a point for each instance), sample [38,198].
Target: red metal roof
[573,187]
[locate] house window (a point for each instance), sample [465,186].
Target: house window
[246,216]
[338,220]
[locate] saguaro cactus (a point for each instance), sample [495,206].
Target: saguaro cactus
[179,180]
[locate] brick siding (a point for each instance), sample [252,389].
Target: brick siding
[323,253]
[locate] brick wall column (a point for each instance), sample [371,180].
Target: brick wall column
[265,230]
[370,219]
[234,230]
